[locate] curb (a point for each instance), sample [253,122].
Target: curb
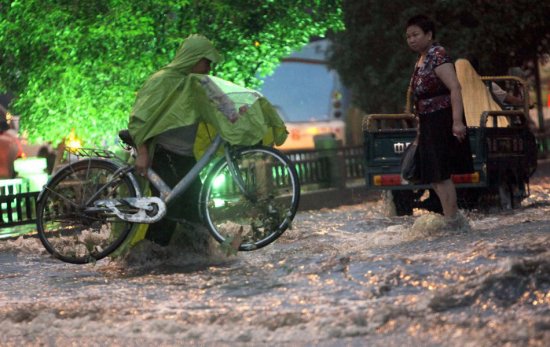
[334,197]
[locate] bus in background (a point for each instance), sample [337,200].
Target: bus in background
[309,97]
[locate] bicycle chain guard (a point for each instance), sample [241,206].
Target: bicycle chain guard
[150,209]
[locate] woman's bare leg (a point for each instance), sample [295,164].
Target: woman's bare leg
[446,192]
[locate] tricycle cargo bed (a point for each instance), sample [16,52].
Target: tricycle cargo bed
[384,148]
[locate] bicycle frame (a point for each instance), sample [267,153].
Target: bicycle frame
[167,194]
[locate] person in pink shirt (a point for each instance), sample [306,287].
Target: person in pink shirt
[10,149]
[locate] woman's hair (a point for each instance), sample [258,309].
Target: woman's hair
[424,23]
[4,126]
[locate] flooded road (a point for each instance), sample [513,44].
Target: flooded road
[341,277]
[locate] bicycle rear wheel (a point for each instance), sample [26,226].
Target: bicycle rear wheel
[69,226]
[260,216]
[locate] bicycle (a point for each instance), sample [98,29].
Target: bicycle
[89,207]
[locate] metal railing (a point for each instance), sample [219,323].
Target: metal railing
[323,168]
[18,209]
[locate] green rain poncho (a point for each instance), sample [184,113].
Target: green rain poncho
[173,97]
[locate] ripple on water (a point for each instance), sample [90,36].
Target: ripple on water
[518,281]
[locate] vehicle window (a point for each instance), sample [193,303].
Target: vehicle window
[300,91]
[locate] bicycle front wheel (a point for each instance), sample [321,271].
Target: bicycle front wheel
[69,225]
[261,213]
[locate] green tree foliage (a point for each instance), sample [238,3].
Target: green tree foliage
[77,64]
[374,61]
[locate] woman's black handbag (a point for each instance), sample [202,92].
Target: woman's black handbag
[410,165]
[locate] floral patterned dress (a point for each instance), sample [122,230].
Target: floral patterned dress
[441,154]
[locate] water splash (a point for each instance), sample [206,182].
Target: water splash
[435,225]
[191,247]
[23,245]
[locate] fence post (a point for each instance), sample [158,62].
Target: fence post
[328,147]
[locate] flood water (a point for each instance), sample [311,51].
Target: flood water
[341,277]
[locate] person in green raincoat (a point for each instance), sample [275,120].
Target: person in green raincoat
[175,116]
[162,134]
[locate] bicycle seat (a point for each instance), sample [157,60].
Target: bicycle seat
[126,138]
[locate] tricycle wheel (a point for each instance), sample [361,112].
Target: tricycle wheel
[403,201]
[432,203]
[469,198]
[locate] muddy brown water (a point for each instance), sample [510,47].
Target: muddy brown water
[348,276]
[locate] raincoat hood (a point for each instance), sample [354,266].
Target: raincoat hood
[194,48]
